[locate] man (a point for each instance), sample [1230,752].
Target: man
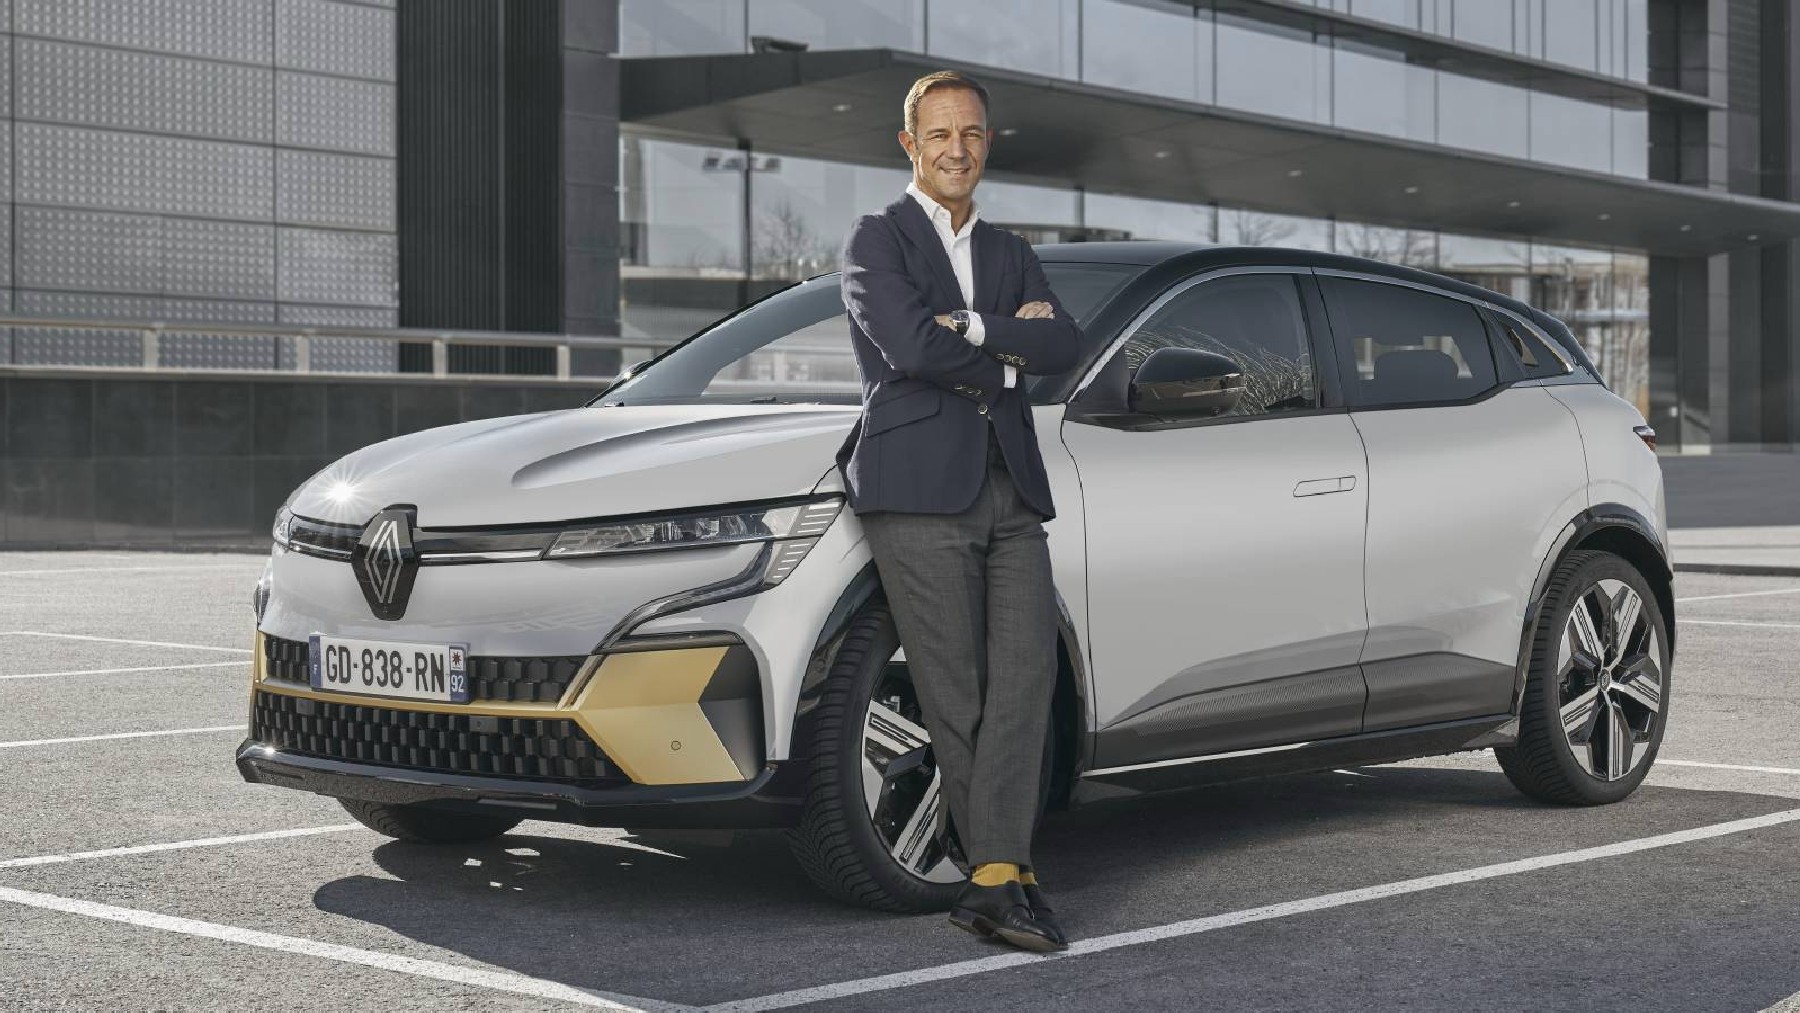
[943,471]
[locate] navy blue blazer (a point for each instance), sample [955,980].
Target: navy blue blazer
[920,445]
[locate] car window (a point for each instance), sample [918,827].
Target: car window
[1406,346]
[795,346]
[1537,357]
[1256,321]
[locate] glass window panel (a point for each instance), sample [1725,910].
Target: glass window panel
[1024,206]
[1631,142]
[842,24]
[1278,71]
[1399,12]
[1483,22]
[1571,32]
[1143,45]
[1571,132]
[1483,116]
[675,27]
[1020,35]
[1378,91]
[1637,40]
[1409,347]
[1239,227]
[1411,247]
[1150,219]
[1253,320]
[1502,265]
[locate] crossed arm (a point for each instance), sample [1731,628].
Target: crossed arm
[885,302]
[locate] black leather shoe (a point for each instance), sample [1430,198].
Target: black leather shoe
[1002,912]
[1041,912]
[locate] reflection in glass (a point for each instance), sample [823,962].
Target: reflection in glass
[1571,132]
[842,24]
[1483,116]
[1483,22]
[1378,91]
[1571,33]
[1140,218]
[1238,227]
[1409,247]
[1399,12]
[1037,36]
[1253,320]
[1267,69]
[1631,142]
[678,27]
[1151,46]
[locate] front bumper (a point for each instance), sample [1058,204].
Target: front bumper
[772,798]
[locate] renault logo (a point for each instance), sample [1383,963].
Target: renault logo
[385,563]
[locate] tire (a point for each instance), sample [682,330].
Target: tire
[1616,707]
[850,849]
[426,826]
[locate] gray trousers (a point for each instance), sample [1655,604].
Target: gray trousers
[976,611]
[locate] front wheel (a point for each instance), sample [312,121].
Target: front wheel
[426,826]
[1597,689]
[869,831]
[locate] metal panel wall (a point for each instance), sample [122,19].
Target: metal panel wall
[212,160]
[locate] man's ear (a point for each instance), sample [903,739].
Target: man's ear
[906,144]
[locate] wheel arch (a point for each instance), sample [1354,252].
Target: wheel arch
[1071,706]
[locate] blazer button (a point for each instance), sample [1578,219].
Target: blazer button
[981,408]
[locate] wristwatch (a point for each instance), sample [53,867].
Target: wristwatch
[959,319]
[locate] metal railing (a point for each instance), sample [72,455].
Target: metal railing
[297,352]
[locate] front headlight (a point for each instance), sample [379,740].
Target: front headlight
[284,523]
[794,527]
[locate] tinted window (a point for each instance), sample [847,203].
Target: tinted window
[1254,320]
[1537,358]
[1399,345]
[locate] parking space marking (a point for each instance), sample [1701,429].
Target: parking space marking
[1789,1005]
[1100,944]
[147,849]
[1740,594]
[22,743]
[122,569]
[1727,766]
[117,640]
[116,671]
[499,981]
[1738,622]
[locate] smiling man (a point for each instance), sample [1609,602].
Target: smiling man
[947,313]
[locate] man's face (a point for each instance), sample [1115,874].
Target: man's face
[949,146]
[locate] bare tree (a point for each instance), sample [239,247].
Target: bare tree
[1395,246]
[786,246]
[1253,229]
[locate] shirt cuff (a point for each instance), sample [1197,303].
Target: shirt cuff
[977,331]
[1011,374]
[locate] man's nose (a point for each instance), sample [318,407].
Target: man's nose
[957,148]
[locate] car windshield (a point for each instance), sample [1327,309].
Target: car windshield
[794,347]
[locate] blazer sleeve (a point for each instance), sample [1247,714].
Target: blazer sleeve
[1033,346]
[886,303]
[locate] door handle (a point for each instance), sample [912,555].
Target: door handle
[1325,486]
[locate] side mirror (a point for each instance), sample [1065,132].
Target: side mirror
[1186,382]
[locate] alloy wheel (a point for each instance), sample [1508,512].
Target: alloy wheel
[902,786]
[1609,680]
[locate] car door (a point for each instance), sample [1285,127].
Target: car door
[1224,585]
[1470,479]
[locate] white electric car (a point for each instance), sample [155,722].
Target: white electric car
[1312,511]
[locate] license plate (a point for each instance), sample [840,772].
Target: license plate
[383,668]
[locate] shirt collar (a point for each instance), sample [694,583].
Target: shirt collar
[933,210]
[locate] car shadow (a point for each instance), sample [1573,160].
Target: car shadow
[650,915]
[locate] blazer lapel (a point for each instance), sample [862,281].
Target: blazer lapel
[989,261]
[917,228]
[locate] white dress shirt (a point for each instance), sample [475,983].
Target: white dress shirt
[960,246]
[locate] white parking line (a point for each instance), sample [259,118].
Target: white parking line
[204,842]
[21,743]
[1789,1005]
[1660,762]
[120,569]
[1099,944]
[115,671]
[1737,622]
[117,640]
[1740,594]
[499,981]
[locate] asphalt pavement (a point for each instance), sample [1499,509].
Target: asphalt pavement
[137,872]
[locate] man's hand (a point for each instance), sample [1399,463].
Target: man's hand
[1040,310]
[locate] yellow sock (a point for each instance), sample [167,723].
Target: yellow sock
[994,873]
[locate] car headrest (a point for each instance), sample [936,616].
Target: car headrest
[1412,369]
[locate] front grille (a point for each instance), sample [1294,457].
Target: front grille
[500,679]
[530,748]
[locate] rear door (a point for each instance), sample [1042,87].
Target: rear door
[1471,476]
[1225,586]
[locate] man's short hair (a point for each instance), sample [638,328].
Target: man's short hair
[940,79]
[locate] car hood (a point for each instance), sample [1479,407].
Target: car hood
[584,462]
